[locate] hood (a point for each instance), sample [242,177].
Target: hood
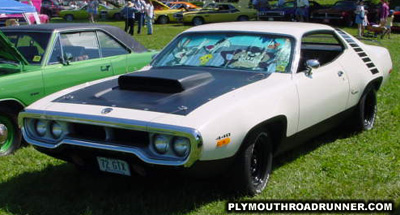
[9,52]
[165,90]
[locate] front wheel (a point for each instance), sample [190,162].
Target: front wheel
[10,135]
[69,18]
[243,18]
[254,164]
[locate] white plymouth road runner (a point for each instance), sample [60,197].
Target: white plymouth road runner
[219,98]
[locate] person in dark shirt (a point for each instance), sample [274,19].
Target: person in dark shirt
[128,12]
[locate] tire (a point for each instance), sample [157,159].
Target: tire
[253,166]
[162,20]
[69,18]
[243,18]
[197,21]
[117,16]
[349,22]
[10,134]
[366,111]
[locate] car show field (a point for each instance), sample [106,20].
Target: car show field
[339,164]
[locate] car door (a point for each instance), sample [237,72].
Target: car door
[324,92]
[113,51]
[75,59]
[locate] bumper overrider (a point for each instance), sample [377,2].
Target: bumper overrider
[151,143]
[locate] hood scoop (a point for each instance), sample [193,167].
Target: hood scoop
[163,81]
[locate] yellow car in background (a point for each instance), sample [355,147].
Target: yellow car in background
[218,12]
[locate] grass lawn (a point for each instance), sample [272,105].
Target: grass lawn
[337,165]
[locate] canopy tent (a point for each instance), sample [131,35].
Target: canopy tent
[14,7]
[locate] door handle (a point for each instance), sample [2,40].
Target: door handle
[340,73]
[105,68]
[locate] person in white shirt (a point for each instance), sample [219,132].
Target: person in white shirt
[149,15]
[302,10]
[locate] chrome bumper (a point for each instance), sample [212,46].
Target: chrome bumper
[192,134]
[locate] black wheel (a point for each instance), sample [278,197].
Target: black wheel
[10,134]
[366,114]
[162,20]
[69,18]
[253,166]
[243,18]
[197,21]
[349,21]
[117,16]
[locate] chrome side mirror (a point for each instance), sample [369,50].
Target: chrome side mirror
[310,65]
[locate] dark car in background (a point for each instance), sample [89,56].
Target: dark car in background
[51,8]
[342,12]
[396,21]
[286,12]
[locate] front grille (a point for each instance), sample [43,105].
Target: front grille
[124,137]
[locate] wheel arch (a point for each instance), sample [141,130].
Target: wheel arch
[375,83]
[276,128]
[13,104]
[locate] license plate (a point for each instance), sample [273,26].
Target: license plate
[113,166]
[270,19]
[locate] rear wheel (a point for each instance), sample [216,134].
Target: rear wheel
[10,135]
[367,108]
[253,166]
[243,18]
[69,18]
[117,16]
[197,21]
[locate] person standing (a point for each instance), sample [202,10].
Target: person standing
[128,12]
[140,14]
[389,24]
[384,12]
[92,10]
[360,16]
[149,16]
[302,10]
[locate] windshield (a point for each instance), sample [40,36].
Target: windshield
[267,53]
[31,45]
[343,4]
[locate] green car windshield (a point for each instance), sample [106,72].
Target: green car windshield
[261,53]
[31,45]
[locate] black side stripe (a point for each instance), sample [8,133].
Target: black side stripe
[362,54]
[367,59]
[359,51]
[374,71]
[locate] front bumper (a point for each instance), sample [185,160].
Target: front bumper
[141,151]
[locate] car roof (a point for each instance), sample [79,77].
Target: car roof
[49,28]
[296,29]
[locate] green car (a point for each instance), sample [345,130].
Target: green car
[37,60]
[109,11]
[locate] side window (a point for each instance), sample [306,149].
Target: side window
[56,55]
[324,47]
[109,46]
[80,46]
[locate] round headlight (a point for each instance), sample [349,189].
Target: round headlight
[181,146]
[41,127]
[56,130]
[161,143]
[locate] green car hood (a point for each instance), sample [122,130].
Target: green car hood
[9,52]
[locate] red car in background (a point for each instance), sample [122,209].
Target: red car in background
[51,8]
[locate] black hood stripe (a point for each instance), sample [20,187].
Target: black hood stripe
[181,103]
